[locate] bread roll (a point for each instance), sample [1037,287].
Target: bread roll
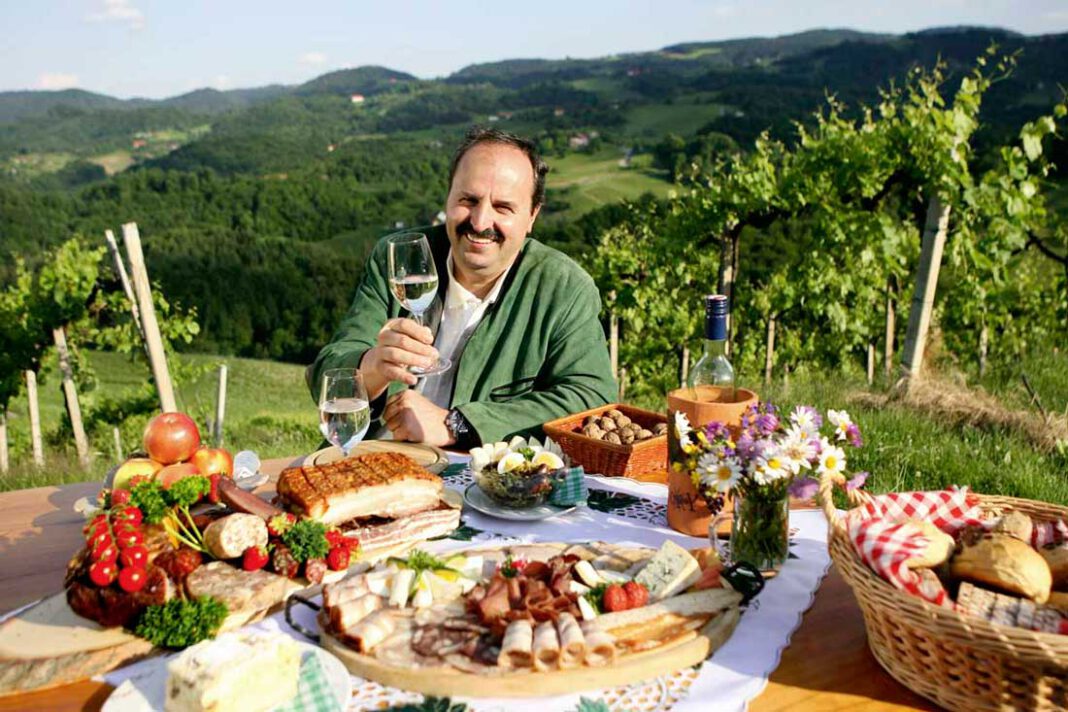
[1059,601]
[1017,525]
[939,547]
[1056,556]
[1006,563]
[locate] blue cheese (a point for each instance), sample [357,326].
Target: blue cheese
[671,570]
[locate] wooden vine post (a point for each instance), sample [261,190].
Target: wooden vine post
[891,329]
[220,406]
[153,341]
[35,418]
[684,366]
[934,240]
[871,363]
[118,444]
[4,463]
[70,396]
[769,352]
[124,278]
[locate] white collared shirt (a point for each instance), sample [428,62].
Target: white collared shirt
[461,314]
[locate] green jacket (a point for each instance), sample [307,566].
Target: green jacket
[538,354]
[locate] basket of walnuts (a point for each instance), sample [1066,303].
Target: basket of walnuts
[617,440]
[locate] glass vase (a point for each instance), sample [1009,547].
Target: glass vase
[760,532]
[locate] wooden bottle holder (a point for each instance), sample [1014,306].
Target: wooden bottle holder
[687,511]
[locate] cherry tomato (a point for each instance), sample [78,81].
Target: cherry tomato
[132,579]
[129,537]
[101,538]
[94,531]
[107,553]
[102,573]
[129,514]
[120,497]
[134,556]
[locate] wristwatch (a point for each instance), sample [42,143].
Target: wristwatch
[460,429]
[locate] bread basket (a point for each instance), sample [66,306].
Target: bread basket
[598,457]
[959,661]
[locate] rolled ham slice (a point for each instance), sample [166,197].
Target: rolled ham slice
[600,648]
[546,647]
[334,594]
[344,617]
[372,630]
[572,641]
[518,645]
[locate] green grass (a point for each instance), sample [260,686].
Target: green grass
[683,118]
[587,181]
[269,410]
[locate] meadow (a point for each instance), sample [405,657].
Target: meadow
[269,410]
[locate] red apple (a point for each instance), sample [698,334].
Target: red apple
[171,438]
[212,461]
[172,473]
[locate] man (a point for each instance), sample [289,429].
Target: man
[519,320]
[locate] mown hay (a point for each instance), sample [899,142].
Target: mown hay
[959,405]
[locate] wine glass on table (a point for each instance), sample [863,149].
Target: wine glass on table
[344,410]
[414,282]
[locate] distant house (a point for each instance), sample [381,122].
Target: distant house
[558,111]
[579,141]
[399,225]
[493,118]
[439,218]
[634,72]
[139,143]
[357,98]
[331,148]
[506,114]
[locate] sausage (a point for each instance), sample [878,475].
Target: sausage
[283,562]
[315,569]
[228,537]
[179,564]
[242,501]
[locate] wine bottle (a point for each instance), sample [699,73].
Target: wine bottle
[713,368]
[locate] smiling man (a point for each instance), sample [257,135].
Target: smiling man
[518,320]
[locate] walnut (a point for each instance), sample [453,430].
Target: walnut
[627,436]
[660,428]
[589,420]
[614,414]
[644,434]
[613,438]
[608,425]
[592,431]
[622,420]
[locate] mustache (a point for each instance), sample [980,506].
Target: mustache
[466,228]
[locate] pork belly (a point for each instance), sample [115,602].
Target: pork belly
[386,484]
[428,524]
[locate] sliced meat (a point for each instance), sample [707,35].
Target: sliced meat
[242,501]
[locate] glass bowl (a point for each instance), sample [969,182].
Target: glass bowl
[517,489]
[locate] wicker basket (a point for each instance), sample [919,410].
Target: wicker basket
[960,662]
[604,458]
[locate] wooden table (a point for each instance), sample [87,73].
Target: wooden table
[826,667]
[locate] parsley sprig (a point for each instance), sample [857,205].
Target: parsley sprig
[306,539]
[179,623]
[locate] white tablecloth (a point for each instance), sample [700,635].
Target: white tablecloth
[626,511]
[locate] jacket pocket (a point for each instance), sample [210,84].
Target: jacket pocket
[514,389]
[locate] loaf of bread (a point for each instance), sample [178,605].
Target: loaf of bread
[1016,524]
[1005,563]
[1056,556]
[939,547]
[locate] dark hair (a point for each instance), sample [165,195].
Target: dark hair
[477,134]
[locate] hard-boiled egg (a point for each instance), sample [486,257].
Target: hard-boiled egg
[511,461]
[549,459]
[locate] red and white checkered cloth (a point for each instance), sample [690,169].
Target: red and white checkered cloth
[885,539]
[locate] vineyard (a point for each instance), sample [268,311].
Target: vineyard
[820,241]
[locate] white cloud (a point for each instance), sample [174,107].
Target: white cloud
[51,81]
[118,11]
[313,59]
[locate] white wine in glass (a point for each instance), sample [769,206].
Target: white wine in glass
[413,279]
[344,409]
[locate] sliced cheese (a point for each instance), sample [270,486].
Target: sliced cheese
[576,587]
[585,571]
[672,569]
[401,587]
[586,609]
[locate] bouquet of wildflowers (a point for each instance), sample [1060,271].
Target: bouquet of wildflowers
[770,457]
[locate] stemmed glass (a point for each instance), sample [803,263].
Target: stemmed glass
[414,281]
[344,410]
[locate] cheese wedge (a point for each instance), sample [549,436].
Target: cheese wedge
[671,570]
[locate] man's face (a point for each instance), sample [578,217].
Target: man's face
[488,211]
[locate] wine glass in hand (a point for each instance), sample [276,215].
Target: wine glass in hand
[414,281]
[344,410]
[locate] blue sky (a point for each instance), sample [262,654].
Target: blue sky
[158,48]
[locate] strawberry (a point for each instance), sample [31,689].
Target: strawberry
[280,524]
[335,538]
[615,599]
[132,579]
[338,558]
[254,559]
[213,493]
[637,594]
[120,497]
[134,556]
[102,573]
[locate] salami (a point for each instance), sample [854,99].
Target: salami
[315,569]
[283,562]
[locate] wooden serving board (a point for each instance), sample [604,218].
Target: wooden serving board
[432,458]
[628,668]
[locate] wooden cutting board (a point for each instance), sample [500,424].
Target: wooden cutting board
[432,458]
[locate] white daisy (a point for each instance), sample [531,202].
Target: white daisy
[797,454]
[802,417]
[771,467]
[841,421]
[802,433]
[721,474]
[683,429]
[832,460]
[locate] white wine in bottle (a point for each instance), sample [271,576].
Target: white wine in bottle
[713,368]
